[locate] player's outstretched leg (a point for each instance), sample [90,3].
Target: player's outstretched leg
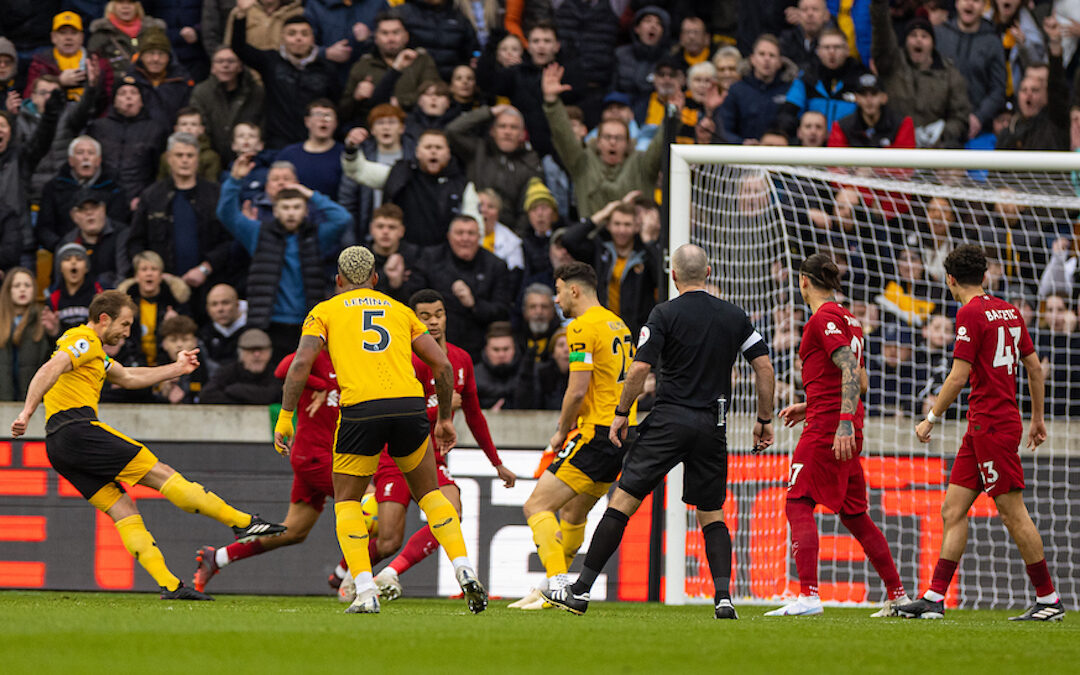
[298,523]
[804,544]
[140,543]
[193,498]
[877,550]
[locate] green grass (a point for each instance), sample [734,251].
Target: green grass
[129,633]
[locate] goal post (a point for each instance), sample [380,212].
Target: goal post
[888,217]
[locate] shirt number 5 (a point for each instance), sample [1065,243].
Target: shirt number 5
[370,315]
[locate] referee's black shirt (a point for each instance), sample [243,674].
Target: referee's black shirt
[696,338]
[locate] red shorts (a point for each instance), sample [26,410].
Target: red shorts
[817,475]
[989,459]
[312,482]
[390,485]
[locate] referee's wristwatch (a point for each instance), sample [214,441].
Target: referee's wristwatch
[621,413]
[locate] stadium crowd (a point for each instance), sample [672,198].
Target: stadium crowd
[212,157]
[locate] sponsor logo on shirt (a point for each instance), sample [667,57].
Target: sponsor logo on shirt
[831,329]
[961,334]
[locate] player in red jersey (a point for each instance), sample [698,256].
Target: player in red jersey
[311,464]
[991,341]
[826,468]
[391,490]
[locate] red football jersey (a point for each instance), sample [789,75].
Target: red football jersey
[992,337]
[315,435]
[465,386]
[828,329]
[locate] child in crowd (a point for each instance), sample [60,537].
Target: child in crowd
[177,334]
[71,297]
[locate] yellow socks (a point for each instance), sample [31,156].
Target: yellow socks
[193,498]
[140,544]
[573,536]
[445,525]
[545,531]
[352,534]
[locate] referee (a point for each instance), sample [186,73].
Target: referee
[696,337]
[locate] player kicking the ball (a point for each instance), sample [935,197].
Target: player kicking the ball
[371,339]
[391,489]
[96,458]
[991,341]
[825,468]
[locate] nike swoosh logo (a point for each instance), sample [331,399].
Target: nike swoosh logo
[445,522]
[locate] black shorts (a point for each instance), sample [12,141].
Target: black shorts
[588,462]
[673,434]
[91,454]
[398,424]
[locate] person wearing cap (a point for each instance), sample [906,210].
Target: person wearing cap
[131,139]
[873,124]
[974,47]
[69,60]
[919,82]
[752,103]
[521,83]
[826,86]
[249,380]
[542,213]
[635,63]
[165,83]
[117,35]
[9,68]
[82,171]
[500,159]
[293,73]
[70,296]
[103,239]
[669,84]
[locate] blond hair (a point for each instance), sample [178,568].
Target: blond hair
[355,264]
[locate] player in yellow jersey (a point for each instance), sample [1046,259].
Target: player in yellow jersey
[96,458]
[371,339]
[601,349]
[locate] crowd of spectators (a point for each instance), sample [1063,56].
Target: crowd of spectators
[212,157]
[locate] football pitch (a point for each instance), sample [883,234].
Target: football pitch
[129,633]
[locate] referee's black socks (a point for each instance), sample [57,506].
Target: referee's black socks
[606,539]
[718,553]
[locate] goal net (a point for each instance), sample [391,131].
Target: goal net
[888,218]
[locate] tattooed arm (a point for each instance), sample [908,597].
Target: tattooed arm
[844,443]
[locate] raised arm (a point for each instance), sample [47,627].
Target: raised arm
[844,443]
[45,377]
[357,167]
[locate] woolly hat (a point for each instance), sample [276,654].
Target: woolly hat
[920,23]
[537,192]
[154,39]
[665,18]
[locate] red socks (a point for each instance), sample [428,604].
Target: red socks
[1040,578]
[239,551]
[420,545]
[877,550]
[804,543]
[943,574]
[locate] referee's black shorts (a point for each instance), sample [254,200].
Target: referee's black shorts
[673,434]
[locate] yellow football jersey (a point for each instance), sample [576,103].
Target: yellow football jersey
[80,386]
[369,337]
[601,342]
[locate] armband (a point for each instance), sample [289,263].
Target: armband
[847,417]
[932,418]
